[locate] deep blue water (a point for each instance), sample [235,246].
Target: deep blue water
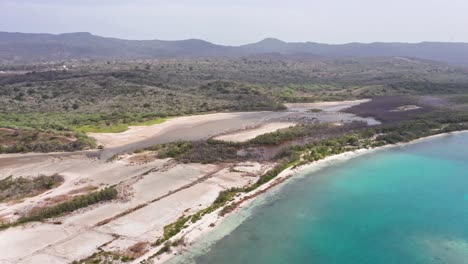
[401,205]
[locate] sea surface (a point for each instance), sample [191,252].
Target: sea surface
[401,205]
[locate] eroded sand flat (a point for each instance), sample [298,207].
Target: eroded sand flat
[157,184]
[20,242]
[80,246]
[151,186]
[200,127]
[79,172]
[148,222]
[152,192]
[245,135]
[188,127]
[325,106]
[44,258]
[169,190]
[92,216]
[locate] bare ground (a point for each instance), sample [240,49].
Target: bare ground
[201,127]
[248,134]
[155,194]
[152,192]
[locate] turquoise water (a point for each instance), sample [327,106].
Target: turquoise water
[401,205]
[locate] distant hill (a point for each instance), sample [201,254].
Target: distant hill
[41,47]
[456,53]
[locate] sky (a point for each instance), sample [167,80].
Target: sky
[244,21]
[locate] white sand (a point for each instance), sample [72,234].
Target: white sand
[78,172]
[202,227]
[406,108]
[335,106]
[78,236]
[80,246]
[246,135]
[44,258]
[198,127]
[138,133]
[148,222]
[21,242]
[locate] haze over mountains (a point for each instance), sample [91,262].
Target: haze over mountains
[22,47]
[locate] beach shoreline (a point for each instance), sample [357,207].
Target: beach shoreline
[196,231]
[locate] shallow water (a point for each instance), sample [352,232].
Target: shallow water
[401,205]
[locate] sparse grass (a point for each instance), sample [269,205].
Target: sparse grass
[18,188]
[14,140]
[47,132]
[119,127]
[105,257]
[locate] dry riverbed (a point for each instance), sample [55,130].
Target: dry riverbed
[201,127]
[152,193]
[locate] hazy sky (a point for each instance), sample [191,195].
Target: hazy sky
[245,21]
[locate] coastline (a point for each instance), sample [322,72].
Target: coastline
[195,231]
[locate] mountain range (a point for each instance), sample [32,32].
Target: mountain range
[24,47]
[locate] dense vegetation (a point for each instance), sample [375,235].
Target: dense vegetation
[74,204]
[109,96]
[29,140]
[93,122]
[18,188]
[179,87]
[211,151]
[216,151]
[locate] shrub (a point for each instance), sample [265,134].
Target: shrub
[76,203]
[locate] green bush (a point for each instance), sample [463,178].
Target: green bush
[76,203]
[17,188]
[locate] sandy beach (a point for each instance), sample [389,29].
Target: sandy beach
[201,228]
